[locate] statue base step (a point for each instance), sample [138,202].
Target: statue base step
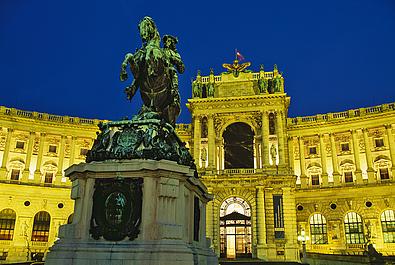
[163,252]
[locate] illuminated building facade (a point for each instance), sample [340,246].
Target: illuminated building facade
[272,176]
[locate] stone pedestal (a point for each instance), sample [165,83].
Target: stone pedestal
[171,229]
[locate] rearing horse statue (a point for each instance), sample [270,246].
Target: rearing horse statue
[155,72]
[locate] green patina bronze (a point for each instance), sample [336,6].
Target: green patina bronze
[150,134]
[155,72]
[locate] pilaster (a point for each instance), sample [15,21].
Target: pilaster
[261,224]
[335,174]
[265,139]
[280,137]
[355,143]
[3,169]
[324,174]
[59,174]
[37,173]
[211,142]
[257,143]
[391,143]
[291,153]
[368,154]
[303,177]
[196,140]
[29,153]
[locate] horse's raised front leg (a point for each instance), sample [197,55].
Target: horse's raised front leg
[124,75]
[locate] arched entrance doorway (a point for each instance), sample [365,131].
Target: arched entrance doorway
[239,146]
[235,229]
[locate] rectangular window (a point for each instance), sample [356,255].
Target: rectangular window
[15,174]
[348,178]
[20,145]
[196,219]
[3,256]
[52,149]
[278,217]
[83,151]
[379,142]
[48,177]
[312,150]
[345,147]
[384,173]
[315,180]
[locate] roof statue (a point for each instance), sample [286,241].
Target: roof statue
[150,134]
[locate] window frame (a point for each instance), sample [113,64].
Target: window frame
[41,227]
[318,230]
[345,176]
[353,228]
[7,224]
[387,221]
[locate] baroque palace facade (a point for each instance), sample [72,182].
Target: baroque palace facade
[273,177]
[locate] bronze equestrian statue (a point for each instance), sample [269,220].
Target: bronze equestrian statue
[154,69]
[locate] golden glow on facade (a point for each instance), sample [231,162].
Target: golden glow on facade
[329,175]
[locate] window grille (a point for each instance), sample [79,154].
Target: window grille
[41,225]
[388,226]
[353,228]
[7,224]
[318,229]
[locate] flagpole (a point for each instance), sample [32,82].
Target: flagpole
[236,54]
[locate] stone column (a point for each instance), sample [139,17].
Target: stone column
[29,153]
[335,174]
[211,143]
[303,177]
[3,169]
[324,174]
[265,140]
[196,141]
[355,143]
[368,154]
[221,157]
[391,143]
[261,222]
[37,173]
[280,137]
[291,153]
[59,174]
[257,140]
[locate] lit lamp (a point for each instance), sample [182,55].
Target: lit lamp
[303,238]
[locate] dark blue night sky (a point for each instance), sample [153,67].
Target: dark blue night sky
[63,57]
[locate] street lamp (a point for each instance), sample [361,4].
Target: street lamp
[303,238]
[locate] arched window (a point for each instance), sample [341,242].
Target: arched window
[16,168]
[353,228]
[70,219]
[382,165]
[41,225]
[7,224]
[235,229]
[318,229]
[49,171]
[388,226]
[239,146]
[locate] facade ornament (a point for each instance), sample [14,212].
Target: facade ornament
[236,68]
